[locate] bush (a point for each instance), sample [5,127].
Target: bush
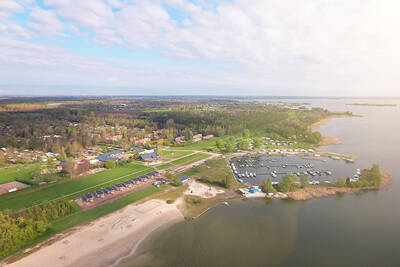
[267,186]
[289,183]
[341,182]
[110,164]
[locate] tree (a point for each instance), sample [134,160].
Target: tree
[69,168]
[341,182]
[37,172]
[229,147]
[230,144]
[227,182]
[289,183]
[244,144]
[62,156]
[303,180]
[2,158]
[257,142]
[188,134]
[220,144]
[83,166]
[246,133]
[267,186]
[110,164]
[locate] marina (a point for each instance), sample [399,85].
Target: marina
[256,169]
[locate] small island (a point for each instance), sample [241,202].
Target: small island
[372,105]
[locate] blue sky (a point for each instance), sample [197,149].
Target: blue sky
[259,47]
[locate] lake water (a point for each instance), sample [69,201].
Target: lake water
[347,230]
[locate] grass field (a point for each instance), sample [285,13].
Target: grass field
[208,145]
[85,216]
[214,172]
[26,198]
[173,154]
[185,160]
[11,174]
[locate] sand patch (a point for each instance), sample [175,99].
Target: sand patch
[202,190]
[105,240]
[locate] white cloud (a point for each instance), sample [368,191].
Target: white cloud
[44,22]
[88,13]
[324,46]
[8,7]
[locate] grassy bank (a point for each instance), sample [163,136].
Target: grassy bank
[185,160]
[82,185]
[86,216]
[173,154]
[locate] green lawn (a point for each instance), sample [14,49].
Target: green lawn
[185,160]
[202,145]
[173,154]
[28,198]
[12,174]
[214,172]
[82,216]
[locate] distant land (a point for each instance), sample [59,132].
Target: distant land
[372,105]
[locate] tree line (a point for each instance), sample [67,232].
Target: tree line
[17,228]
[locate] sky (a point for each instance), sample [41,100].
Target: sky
[200,47]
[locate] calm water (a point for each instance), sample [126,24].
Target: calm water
[349,230]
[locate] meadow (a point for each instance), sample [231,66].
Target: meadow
[173,154]
[185,160]
[71,188]
[23,173]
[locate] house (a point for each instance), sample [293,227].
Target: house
[180,139]
[115,137]
[159,131]
[112,155]
[197,137]
[148,156]
[94,161]
[185,178]
[142,141]
[208,136]
[142,151]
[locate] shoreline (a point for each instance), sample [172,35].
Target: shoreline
[77,248]
[327,140]
[318,192]
[115,236]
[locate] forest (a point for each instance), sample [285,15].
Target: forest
[18,228]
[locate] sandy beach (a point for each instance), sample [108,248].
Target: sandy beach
[106,240]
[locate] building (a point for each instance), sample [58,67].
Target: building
[180,139]
[208,136]
[113,155]
[197,137]
[185,178]
[142,141]
[142,151]
[148,156]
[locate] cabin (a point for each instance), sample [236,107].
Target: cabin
[208,136]
[185,178]
[180,139]
[148,157]
[142,151]
[112,155]
[197,137]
